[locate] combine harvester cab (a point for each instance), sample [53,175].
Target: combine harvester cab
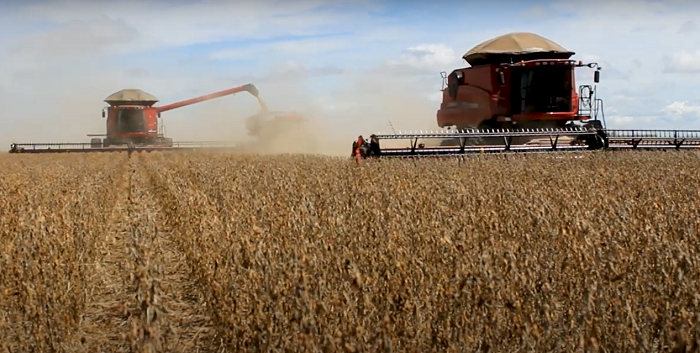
[131,119]
[521,87]
[133,123]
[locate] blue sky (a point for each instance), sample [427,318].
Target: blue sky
[351,65]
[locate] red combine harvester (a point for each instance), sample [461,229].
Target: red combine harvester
[133,123]
[520,87]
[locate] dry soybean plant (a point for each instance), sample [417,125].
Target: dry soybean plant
[51,215]
[272,253]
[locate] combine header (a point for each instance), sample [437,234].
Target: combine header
[133,123]
[520,88]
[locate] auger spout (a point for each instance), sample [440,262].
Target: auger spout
[250,88]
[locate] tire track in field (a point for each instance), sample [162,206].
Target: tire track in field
[187,325]
[201,296]
[141,294]
[103,323]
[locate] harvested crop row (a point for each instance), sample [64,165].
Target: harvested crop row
[172,310]
[141,299]
[104,322]
[174,215]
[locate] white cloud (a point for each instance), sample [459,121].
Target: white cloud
[84,28]
[285,48]
[76,41]
[688,27]
[676,115]
[291,70]
[682,62]
[629,122]
[429,58]
[680,110]
[77,37]
[617,120]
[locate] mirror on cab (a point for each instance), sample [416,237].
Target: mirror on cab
[502,78]
[596,76]
[103,113]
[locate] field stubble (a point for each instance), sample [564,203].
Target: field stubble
[165,252]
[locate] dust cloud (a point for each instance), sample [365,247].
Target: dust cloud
[220,119]
[389,103]
[329,127]
[45,116]
[369,108]
[58,103]
[228,118]
[361,103]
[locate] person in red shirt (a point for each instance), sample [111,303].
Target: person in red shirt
[357,145]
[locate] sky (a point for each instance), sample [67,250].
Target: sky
[353,67]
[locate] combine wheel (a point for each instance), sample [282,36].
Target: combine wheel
[597,141]
[95,143]
[449,142]
[481,141]
[163,142]
[600,139]
[478,141]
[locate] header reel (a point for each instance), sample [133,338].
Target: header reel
[589,137]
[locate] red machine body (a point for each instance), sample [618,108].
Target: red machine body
[539,93]
[135,124]
[518,80]
[133,120]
